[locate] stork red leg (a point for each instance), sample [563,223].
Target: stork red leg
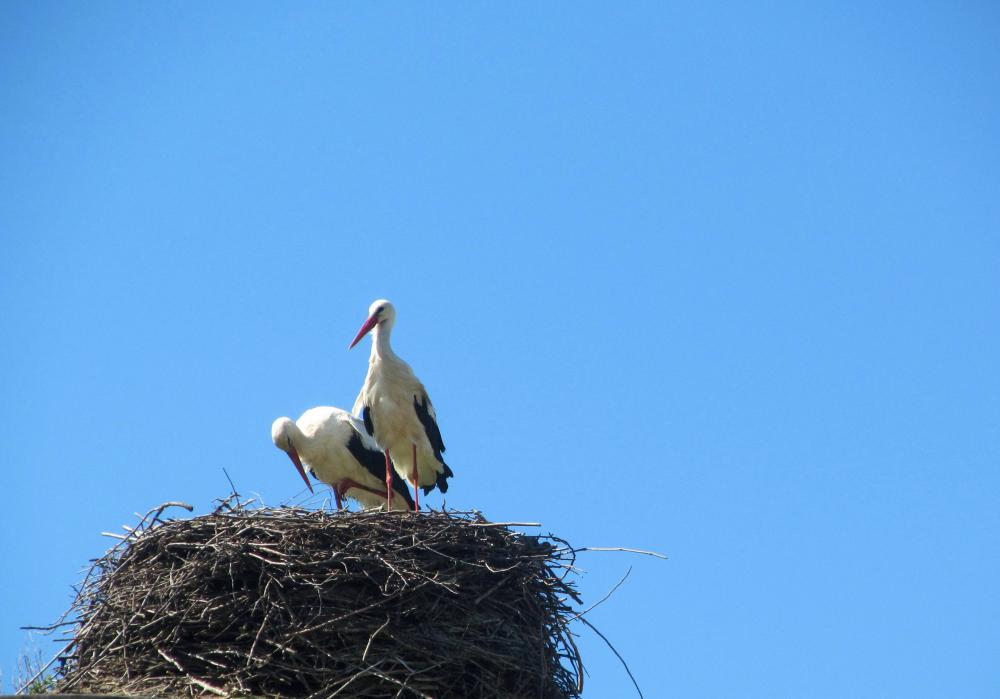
[336,494]
[416,481]
[388,482]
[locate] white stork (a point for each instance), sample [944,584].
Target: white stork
[396,410]
[332,444]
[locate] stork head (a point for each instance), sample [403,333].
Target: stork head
[283,432]
[382,314]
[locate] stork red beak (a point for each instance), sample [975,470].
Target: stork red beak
[294,456]
[369,324]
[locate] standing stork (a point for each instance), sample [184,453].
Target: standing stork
[396,410]
[333,445]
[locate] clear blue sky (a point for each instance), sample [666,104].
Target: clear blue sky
[717,281]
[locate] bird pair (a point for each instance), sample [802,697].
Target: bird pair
[392,415]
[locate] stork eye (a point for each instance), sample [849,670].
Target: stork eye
[379,309]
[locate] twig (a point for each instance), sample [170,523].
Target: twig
[209,687]
[197,681]
[173,503]
[600,601]
[171,660]
[230,481]
[617,654]
[51,627]
[371,638]
[620,548]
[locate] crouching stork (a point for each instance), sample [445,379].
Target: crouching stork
[332,445]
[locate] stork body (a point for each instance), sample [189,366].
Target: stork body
[397,412]
[332,445]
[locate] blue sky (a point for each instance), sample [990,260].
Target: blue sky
[721,282]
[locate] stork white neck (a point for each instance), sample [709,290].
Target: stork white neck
[380,341]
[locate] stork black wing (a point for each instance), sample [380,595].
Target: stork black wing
[442,480]
[430,426]
[374,462]
[437,444]
[366,415]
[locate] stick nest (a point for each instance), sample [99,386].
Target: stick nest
[290,602]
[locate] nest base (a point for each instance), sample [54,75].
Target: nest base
[289,602]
